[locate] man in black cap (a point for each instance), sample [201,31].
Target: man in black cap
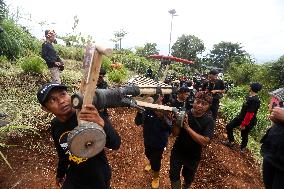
[246,119]
[181,101]
[102,84]
[74,172]
[156,130]
[195,133]
[48,53]
[216,88]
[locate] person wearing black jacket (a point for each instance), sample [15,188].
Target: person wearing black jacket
[102,84]
[181,101]
[53,61]
[196,132]
[216,88]
[246,119]
[156,130]
[272,149]
[74,172]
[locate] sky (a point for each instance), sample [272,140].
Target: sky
[258,25]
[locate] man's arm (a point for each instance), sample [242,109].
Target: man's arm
[251,109]
[175,130]
[113,139]
[200,139]
[63,162]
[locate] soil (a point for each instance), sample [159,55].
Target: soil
[34,160]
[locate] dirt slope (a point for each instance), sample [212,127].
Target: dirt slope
[34,160]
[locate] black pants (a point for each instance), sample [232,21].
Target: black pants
[273,178]
[72,185]
[236,122]
[188,167]
[154,155]
[214,109]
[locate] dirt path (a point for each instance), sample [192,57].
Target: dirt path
[35,158]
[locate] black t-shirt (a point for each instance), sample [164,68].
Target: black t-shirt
[217,85]
[156,130]
[273,146]
[184,145]
[49,54]
[86,173]
[181,105]
[252,104]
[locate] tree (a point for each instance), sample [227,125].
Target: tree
[276,72]
[148,49]
[225,53]
[3,10]
[118,36]
[188,47]
[73,39]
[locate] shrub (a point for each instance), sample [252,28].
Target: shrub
[74,53]
[16,41]
[106,64]
[33,64]
[237,92]
[117,76]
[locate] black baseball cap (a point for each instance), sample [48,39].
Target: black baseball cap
[46,89]
[256,87]
[213,72]
[102,71]
[183,89]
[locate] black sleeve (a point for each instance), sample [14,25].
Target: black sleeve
[168,125]
[221,85]
[139,119]
[63,162]
[252,105]
[58,59]
[204,86]
[45,55]
[113,140]
[209,129]
[49,54]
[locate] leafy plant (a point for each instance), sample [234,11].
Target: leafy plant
[33,64]
[117,76]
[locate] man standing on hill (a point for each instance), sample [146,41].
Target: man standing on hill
[246,120]
[196,132]
[156,130]
[74,172]
[216,88]
[53,61]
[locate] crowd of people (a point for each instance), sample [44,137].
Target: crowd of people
[200,100]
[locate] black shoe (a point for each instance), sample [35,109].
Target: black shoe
[243,150]
[228,143]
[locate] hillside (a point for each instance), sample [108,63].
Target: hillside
[34,158]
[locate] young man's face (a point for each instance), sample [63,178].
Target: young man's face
[100,79]
[183,95]
[200,106]
[52,37]
[213,77]
[58,102]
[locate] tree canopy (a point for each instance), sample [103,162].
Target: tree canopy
[148,49]
[3,10]
[225,53]
[188,47]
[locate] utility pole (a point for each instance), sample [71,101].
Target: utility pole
[173,13]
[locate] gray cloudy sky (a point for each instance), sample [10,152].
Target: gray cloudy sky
[257,24]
